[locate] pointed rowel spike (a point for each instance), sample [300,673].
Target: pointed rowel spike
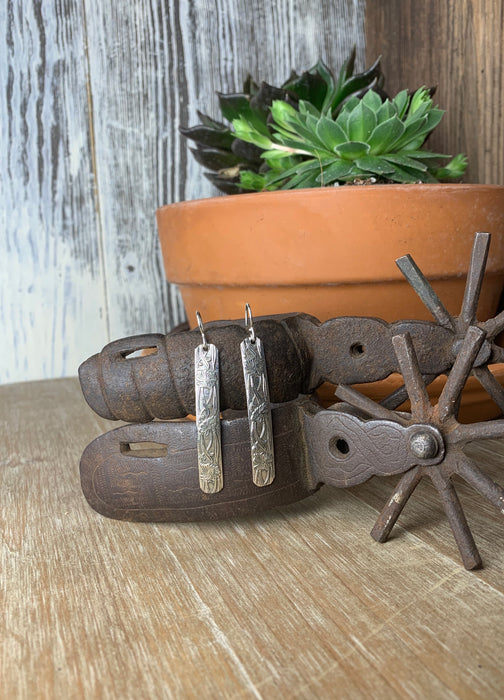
[466,432]
[475,277]
[400,395]
[366,404]
[491,385]
[413,380]
[494,326]
[448,399]
[456,518]
[482,483]
[394,506]
[422,287]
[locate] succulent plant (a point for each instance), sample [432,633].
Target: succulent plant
[316,131]
[370,137]
[226,155]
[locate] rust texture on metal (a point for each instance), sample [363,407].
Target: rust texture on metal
[148,470]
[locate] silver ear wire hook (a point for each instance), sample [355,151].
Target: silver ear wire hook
[249,324]
[202,331]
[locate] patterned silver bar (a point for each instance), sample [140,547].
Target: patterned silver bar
[206,375]
[259,412]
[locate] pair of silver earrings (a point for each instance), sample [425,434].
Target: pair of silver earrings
[206,373]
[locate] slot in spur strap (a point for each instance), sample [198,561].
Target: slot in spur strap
[148,472]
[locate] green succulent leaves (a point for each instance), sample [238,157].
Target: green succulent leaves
[369,138]
[217,145]
[316,130]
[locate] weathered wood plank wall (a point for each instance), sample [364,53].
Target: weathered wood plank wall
[457,45]
[91,96]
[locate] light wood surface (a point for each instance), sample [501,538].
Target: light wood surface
[93,94]
[296,603]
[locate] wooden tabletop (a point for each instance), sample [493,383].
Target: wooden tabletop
[296,603]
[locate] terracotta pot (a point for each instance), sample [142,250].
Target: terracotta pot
[475,406]
[330,251]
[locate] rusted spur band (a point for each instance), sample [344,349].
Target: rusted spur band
[149,473]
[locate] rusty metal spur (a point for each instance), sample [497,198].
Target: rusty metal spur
[150,469]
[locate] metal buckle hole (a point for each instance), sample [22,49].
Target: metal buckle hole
[144,449]
[339,447]
[357,350]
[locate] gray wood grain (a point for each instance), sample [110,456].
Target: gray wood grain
[92,93]
[52,302]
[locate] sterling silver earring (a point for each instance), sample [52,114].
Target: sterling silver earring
[258,405]
[206,384]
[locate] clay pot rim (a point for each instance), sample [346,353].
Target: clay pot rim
[314,192]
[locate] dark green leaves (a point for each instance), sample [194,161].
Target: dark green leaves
[215,158]
[234,106]
[349,84]
[312,86]
[207,136]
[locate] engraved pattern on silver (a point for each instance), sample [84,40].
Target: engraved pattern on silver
[259,412]
[206,376]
